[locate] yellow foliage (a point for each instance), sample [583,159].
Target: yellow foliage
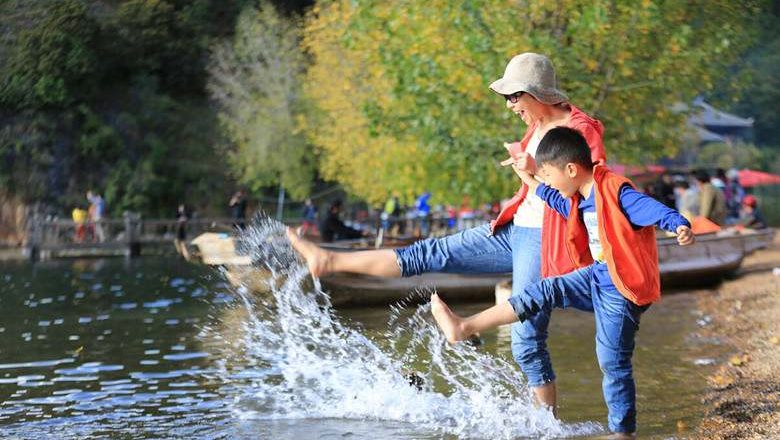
[738,360]
[399,94]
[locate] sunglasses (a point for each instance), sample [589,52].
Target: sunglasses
[514,97]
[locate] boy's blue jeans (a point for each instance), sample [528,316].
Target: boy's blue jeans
[511,249]
[617,321]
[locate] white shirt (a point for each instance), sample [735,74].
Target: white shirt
[530,213]
[594,242]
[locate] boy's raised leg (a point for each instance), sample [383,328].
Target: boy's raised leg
[380,263]
[457,329]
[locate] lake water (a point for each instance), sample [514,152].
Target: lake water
[160,348]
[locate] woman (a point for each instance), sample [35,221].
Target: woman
[514,241]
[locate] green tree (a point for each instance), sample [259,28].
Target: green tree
[726,156]
[401,87]
[53,62]
[752,87]
[257,79]
[111,96]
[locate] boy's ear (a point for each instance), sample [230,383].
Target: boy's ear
[571,170]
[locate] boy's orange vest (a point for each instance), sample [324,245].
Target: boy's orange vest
[631,254]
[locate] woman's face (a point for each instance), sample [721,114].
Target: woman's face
[527,107]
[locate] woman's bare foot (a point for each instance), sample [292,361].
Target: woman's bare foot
[450,323]
[318,259]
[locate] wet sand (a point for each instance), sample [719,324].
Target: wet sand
[743,399]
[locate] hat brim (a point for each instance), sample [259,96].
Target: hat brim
[545,96]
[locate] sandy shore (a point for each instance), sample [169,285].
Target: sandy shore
[743,399]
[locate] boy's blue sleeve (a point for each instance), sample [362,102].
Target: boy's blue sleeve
[554,199]
[643,210]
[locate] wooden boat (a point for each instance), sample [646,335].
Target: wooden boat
[712,257]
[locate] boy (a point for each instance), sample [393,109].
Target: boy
[611,236]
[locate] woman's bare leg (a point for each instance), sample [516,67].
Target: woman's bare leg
[457,329]
[379,263]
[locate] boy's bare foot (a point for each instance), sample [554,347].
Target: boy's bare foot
[318,259]
[450,323]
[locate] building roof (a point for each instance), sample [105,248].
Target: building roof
[709,116]
[705,135]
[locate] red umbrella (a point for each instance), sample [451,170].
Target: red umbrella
[635,170]
[749,178]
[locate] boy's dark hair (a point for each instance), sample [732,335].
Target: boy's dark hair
[563,145]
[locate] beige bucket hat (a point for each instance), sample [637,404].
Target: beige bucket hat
[531,73]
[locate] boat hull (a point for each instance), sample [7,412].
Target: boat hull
[711,258]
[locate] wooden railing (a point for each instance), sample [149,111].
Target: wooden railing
[126,236]
[129,235]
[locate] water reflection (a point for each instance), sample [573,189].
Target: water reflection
[111,345]
[157,348]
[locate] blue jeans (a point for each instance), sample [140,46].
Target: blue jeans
[617,321]
[511,249]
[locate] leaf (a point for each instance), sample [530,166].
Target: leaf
[739,360]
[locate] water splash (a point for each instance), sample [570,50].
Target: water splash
[304,363]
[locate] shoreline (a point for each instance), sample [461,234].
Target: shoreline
[742,399]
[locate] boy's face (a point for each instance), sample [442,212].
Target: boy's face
[564,179]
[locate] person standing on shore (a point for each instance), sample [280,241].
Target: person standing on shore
[309,216]
[687,199]
[97,211]
[237,206]
[80,219]
[712,203]
[180,242]
[332,228]
[750,216]
[526,238]
[423,213]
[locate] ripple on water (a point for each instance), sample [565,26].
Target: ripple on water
[37,364]
[160,303]
[185,356]
[32,378]
[80,378]
[89,368]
